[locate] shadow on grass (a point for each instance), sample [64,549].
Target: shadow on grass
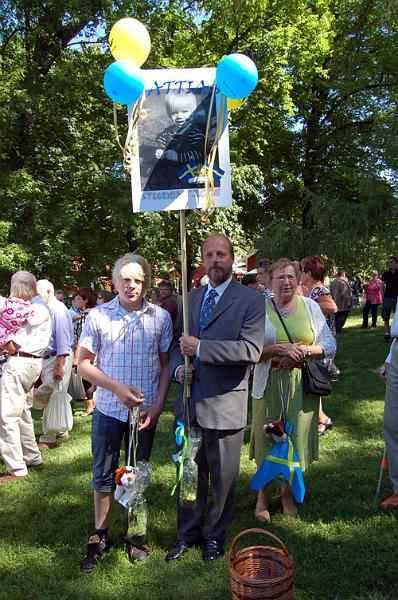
[343,547]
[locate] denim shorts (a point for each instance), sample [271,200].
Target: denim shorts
[389,304]
[107,435]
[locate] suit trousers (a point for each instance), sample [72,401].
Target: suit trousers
[390,422]
[18,445]
[218,458]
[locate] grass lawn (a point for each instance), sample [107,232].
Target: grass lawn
[344,548]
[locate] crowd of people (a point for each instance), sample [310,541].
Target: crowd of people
[258,337]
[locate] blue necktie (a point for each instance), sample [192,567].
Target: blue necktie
[207,307]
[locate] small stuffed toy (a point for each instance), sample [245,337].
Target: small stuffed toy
[276,430]
[126,487]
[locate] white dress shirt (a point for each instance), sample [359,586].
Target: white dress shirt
[220,289]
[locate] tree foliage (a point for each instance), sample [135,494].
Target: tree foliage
[313,149]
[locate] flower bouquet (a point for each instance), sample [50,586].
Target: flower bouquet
[189,479]
[134,481]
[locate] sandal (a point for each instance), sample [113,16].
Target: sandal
[87,413]
[137,553]
[95,549]
[323,426]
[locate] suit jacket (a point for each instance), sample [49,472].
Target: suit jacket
[231,342]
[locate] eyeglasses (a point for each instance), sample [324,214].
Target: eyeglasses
[282,278]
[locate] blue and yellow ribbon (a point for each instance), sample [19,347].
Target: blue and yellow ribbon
[181,435]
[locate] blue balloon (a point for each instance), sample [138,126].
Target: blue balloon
[236,76]
[124,81]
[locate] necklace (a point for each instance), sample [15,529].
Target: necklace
[284,312]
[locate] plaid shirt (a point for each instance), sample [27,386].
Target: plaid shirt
[127,346]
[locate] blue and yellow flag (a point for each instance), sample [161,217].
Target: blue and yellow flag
[192,170]
[281,461]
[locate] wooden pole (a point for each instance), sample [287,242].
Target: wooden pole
[184,281]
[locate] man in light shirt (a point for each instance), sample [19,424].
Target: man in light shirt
[18,445]
[57,360]
[130,339]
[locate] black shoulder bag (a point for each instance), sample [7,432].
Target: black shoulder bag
[316,378]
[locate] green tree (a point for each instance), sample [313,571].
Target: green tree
[341,189]
[313,149]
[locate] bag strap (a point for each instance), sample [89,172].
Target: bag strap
[289,337]
[284,397]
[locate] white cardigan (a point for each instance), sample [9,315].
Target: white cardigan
[323,338]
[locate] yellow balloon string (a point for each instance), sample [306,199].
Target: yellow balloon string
[130,146]
[207,169]
[129,149]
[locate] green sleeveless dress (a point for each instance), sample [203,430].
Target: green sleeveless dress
[302,410]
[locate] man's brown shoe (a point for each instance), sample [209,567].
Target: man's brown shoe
[43,446]
[390,503]
[7,477]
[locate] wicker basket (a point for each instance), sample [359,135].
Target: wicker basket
[261,572]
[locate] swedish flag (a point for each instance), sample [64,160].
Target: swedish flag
[191,170]
[217,173]
[282,460]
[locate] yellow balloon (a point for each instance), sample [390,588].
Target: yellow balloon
[235,103]
[129,40]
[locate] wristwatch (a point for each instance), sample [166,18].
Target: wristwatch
[308,352]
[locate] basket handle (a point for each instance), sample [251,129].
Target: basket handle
[256,530]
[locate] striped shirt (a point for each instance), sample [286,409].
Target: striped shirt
[127,346]
[188,142]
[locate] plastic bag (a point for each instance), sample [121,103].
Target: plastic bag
[131,481]
[76,387]
[137,520]
[58,416]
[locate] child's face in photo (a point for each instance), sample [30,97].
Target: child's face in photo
[180,115]
[181,109]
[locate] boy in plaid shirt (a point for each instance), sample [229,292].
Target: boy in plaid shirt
[129,338]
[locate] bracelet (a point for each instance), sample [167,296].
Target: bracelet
[308,352]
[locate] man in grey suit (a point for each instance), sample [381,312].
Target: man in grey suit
[227,323]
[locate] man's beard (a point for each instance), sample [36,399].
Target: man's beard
[218,275]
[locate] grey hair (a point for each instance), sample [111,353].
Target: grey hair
[131,258]
[43,285]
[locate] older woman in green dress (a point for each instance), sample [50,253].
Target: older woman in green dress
[277,381]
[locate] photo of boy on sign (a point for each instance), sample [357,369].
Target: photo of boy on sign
[172,156]
[181,147]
